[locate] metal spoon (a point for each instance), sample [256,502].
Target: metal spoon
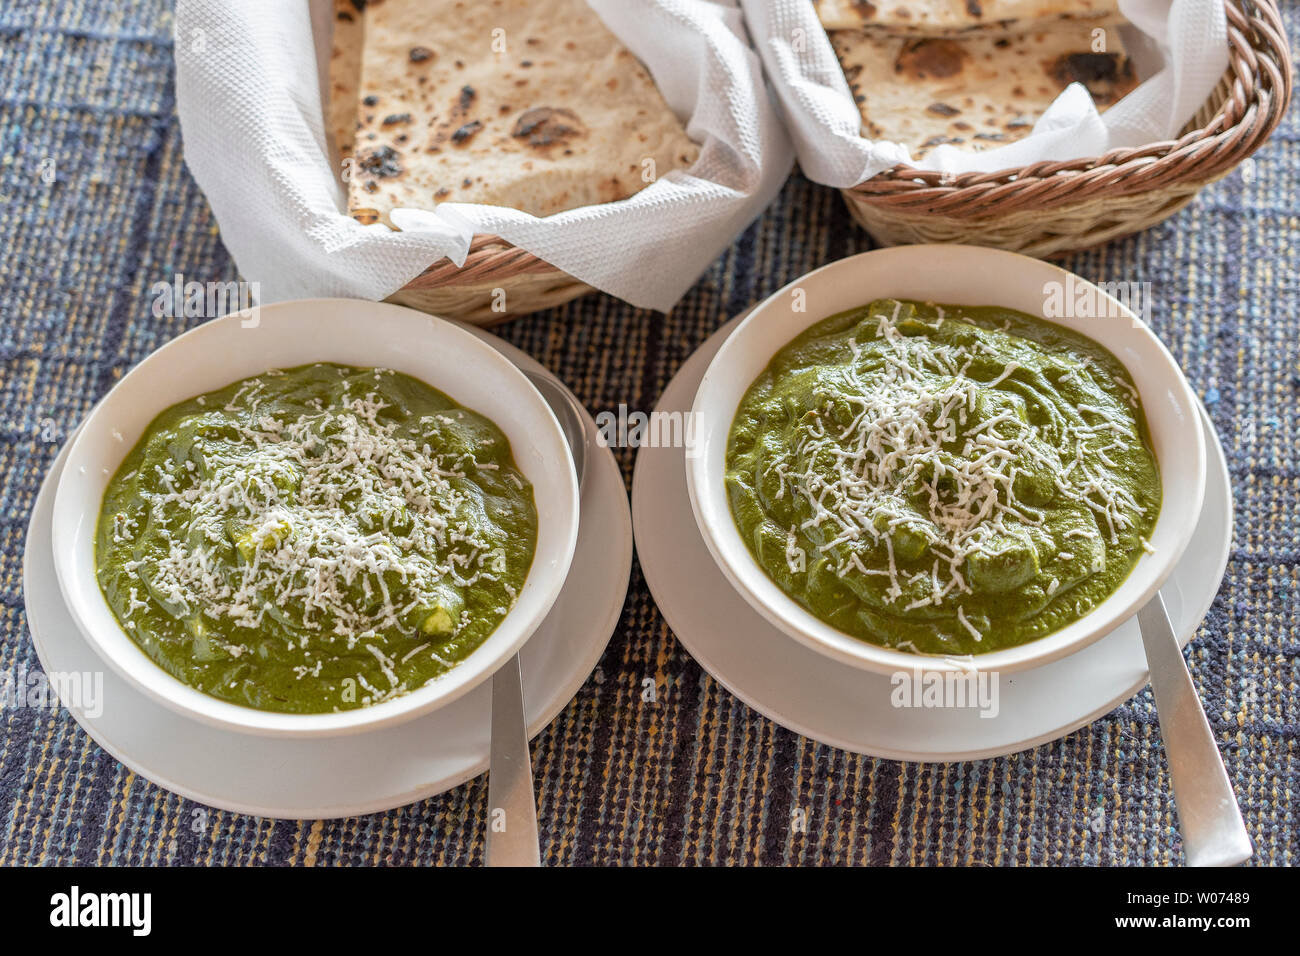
[512,838]
[1213,831]
[571,418]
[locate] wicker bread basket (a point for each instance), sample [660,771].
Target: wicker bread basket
[1053,208]
[497,282]
[1047,209]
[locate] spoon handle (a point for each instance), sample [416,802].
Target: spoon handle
[512,808]
[1213,831]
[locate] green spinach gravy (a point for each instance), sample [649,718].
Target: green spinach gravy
[943,479]
[315,539]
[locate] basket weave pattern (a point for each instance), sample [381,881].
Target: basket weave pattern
[473,292]
[1053,208]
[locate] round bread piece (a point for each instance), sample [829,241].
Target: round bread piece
[960,17]
[976,92]
[531,104]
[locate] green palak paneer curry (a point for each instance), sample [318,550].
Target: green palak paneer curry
[943,479]
[315,539]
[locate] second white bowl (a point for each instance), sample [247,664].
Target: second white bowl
[960,275]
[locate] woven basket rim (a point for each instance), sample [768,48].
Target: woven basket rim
[490,259]
[1258,85]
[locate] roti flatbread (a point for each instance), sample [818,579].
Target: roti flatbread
[345,75]
[531,104]
[977,92]
[957,17]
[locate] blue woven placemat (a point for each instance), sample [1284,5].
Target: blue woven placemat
[96,206]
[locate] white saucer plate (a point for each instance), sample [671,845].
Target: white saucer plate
[850,708]
[363,773]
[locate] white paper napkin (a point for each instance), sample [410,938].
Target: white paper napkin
[1180,45]
[249,98]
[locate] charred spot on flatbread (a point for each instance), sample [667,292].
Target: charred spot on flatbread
[930,59]
[546,126]
[457,127]
[419,54]
[383,162]
[943,109]
[1108,76]
[465,133]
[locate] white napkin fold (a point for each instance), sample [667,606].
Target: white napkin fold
[248,88]
[1180,45]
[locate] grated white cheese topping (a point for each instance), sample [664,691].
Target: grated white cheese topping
[911,428]
[320,508]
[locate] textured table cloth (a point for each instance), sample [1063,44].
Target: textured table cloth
[96,206]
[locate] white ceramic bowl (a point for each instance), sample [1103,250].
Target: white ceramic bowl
[961,275]
[347,332]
